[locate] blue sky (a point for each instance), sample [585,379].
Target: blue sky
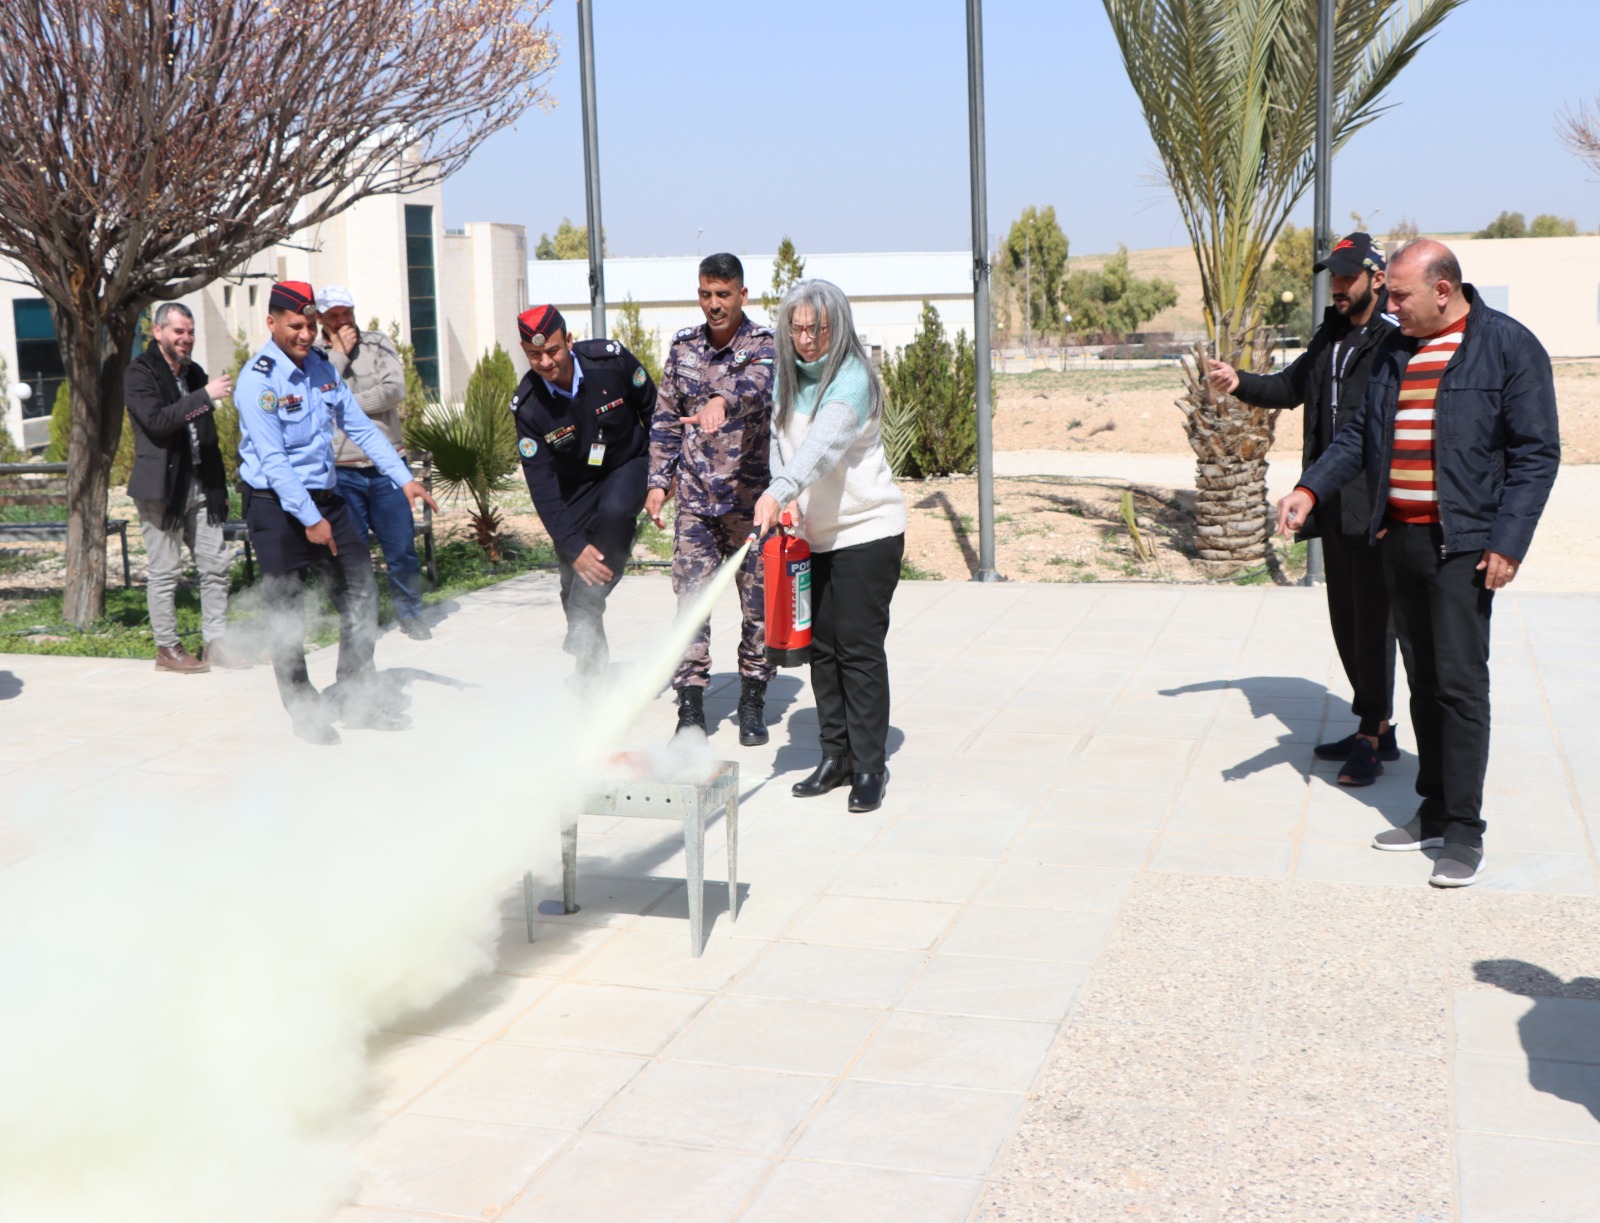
[845,126]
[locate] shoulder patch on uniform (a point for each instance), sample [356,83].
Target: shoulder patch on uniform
[527,447]
[514,401]
[268,401]
[264,364]
[686,334]
[639,376]
[613,346]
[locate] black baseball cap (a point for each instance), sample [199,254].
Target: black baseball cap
[1353,254]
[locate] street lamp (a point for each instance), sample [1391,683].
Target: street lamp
[1287,300]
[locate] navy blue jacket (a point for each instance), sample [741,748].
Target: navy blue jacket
[1497,444]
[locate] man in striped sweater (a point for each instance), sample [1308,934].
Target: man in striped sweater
[1459,438]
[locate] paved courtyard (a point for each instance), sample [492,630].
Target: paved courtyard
[1113,949]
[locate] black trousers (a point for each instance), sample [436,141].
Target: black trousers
[850,593]
[608,511]
[286,555]
[1363,631]
[1441,613]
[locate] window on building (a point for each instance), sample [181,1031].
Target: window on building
[421,293]
[38,355]
[252,297]
[227,296]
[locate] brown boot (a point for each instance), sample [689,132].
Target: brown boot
[176,658]
[218,654]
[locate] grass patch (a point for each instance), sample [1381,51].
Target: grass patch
[654,538]
[910,571]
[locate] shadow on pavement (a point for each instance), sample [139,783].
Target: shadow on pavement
[1282,697]
[1562,1028]
[10,685]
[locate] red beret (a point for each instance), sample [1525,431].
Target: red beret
[293,295]
[537,323]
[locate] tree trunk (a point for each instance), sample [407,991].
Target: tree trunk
[96,359]
[1230,440]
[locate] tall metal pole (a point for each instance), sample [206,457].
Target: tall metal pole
[1322,226]
[591,171]
[980,293]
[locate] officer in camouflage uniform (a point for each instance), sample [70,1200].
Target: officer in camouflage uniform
[709,440]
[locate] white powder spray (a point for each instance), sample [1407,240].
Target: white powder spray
[185,995]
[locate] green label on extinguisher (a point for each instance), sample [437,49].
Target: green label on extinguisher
[801,572]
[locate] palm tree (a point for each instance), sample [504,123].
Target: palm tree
[1228,89]
[474,445]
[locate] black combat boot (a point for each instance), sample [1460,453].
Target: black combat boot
[691,710]
[752,712]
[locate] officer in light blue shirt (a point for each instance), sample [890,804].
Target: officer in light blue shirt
[289,400]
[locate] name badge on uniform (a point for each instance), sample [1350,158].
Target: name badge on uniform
[597,454]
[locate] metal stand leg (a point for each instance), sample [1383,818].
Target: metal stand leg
[569,864]
[694,851]
[530,906]
[733,855]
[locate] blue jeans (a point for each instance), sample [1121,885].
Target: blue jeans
[378,508]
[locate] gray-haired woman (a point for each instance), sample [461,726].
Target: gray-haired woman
[827,454]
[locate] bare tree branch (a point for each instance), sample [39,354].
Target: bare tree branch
[1579,129]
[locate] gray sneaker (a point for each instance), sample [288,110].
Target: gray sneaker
[1407,837]
[1453,873]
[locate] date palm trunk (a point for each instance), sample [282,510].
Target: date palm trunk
[1230,440]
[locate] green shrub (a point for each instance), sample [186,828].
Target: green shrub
[930,416]
[60,425]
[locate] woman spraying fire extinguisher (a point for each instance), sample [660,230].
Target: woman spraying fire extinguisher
[827,456]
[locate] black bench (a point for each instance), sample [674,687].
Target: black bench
[44,485]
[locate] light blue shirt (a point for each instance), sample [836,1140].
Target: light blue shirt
[287,415]
[577,381]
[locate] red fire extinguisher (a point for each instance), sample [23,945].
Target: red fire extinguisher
[786,574]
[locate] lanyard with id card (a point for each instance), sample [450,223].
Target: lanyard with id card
[597,454]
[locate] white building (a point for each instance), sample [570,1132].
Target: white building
[886,291]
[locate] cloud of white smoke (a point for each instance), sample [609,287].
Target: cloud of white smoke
[185,994]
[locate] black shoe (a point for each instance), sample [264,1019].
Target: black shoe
[753,713]
[691,710]
[416,629]
[1388,749]
[1362,769]
[866,791]
[833,772]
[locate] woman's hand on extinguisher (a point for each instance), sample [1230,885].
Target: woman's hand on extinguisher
[766,516]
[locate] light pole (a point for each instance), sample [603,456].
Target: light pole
[980,292]
[591,172]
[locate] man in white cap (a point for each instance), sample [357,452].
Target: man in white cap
[370,365]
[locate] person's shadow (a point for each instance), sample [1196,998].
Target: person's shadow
[801,753]
[1561,1028]
[10,685]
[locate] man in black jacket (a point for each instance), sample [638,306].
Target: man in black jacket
[1329,378]
[179,485]
[1459,437]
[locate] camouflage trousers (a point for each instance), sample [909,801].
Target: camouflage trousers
[700,543]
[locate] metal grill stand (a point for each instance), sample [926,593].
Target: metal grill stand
[659,800]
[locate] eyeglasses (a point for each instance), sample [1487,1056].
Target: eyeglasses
[801,331]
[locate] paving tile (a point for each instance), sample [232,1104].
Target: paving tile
[852,976]
[768,1034]
[1514,1025]
[854,921]
[804,1192]
[1076,846]
[404,1065]
[558,946]
[606,1018]
[956,1051]
[1004,989]
[945,1130]
[946,801]
[1102,809]
[1028,934]
[1192,816]
[1530,1098]
[661,958]
[904,876]
[1358,862]
[723,1107]
[765,911]
[606,1179]
[451,1166]
[1209,855]
[1518,1180]
[1037,885]
[477,1010]
[949,838]
[524,1085]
